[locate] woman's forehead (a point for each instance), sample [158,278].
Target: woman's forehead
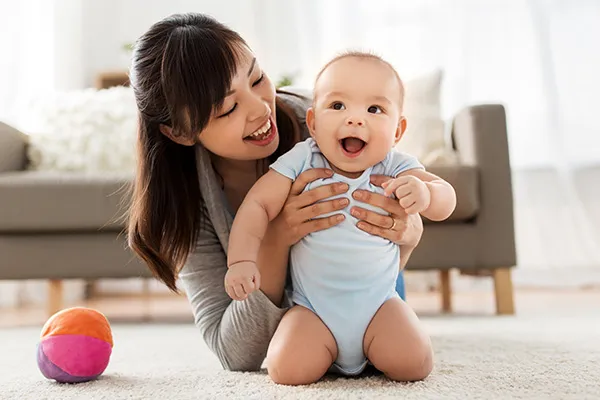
[245,59]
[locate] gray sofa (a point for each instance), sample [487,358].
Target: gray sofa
[57,225]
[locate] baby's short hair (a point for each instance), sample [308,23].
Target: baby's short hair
[367,56]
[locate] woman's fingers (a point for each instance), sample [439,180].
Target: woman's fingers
[393,236]
[390,205]
[317,209]
[408,229]
[320,224]
[379,180]
[318,194]
[300,214]
[376,219]
[307,177]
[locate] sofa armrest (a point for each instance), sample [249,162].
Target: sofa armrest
[480,137]
[13,147]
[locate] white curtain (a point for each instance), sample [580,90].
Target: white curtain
[26,43]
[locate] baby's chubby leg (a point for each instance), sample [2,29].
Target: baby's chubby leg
[302,348]
[396,343]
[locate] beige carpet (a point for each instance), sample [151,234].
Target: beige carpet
[476,357]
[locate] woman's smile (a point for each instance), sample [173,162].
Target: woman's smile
[264,135]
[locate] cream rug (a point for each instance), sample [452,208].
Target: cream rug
[476,358]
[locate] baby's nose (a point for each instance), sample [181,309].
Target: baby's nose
[352,121]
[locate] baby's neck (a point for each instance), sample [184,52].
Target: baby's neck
[351,175]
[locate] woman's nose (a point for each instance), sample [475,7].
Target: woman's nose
[258,107]
[260,110]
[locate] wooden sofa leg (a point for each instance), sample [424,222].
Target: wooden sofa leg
[503,290]
[55,296]
[446,291]
[90,289]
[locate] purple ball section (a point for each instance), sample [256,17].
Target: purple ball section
[51,371]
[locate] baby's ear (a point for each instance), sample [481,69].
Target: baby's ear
[400,130]
[310,121]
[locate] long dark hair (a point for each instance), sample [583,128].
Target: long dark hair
[182,68]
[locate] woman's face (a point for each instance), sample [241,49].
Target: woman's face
[244,127]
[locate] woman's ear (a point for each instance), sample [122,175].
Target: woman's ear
[400,130]
[182,140]
[310,121]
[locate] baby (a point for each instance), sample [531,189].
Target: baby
[342,274]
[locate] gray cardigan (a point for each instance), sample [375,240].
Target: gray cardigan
[237,332]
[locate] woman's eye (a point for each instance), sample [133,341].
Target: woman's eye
[259,80]
[337,105]
[375,110]
[229,112]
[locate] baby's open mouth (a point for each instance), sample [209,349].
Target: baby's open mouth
[352,146]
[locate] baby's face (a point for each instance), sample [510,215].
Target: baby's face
[356,116]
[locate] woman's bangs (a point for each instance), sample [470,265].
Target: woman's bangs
[198,67]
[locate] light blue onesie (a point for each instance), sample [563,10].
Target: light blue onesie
[344,274]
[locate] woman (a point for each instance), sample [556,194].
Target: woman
[210,122]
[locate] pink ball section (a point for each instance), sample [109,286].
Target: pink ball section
[75,346]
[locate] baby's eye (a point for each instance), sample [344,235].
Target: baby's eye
[338,105]
[375,110]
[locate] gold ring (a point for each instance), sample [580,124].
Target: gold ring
[393,225]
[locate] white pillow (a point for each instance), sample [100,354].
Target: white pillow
[85,130]
[425,135]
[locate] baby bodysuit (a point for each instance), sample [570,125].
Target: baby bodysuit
[343,274]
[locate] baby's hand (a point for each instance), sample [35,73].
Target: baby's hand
[412,192]
[241,279]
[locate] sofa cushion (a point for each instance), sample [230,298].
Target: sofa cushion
[36,201]
[465,180]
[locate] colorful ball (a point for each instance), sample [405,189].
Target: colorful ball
[75,346]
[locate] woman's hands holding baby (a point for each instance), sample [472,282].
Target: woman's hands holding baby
[241,279]
[302,211]
[397,227]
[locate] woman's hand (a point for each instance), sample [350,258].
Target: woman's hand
[301,212]
[398,227]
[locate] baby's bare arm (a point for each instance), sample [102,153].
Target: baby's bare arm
[261,205]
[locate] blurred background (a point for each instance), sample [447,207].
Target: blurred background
[539,59]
